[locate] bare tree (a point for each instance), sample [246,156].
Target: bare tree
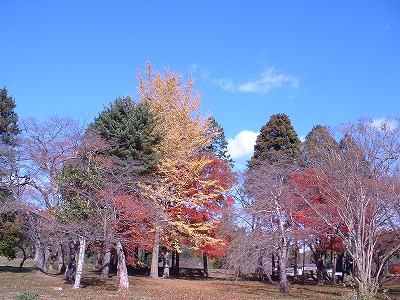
[44,148]
[267,184]
[359,184]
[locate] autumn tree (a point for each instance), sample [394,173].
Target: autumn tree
[267,184]
[128,129]
[186,133]
[359,183]
[319,144]
[45,147]
[276,156]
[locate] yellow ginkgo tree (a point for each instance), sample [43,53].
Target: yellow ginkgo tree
[179,181]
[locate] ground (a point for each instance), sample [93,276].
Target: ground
[28,285]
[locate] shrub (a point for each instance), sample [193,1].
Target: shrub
[28,296]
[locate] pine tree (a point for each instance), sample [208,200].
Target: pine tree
[8,137]
[128,127]
[277,137]
[8,119]
[318,145]
[219,144]
[10,230]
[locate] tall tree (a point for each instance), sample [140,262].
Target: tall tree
[10,181]
[46,146]
[219,146]
[276,153]
[8,118]
[8,137]
[318,146]
[128,128]
[360,186]
[267,184]
[186,134]
[277,136]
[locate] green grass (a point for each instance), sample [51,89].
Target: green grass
[28,285]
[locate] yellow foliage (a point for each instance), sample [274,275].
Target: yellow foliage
[179,181]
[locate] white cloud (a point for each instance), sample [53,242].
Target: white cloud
[242,145]
[268,80]
[226,84]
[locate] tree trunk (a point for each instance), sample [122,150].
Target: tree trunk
[25,257]
[99,258]
[344,267]
[47,258]
[205,265]
[283,283]
[81,258]
[274,274]
[166,264]
[71,268]
[176,267]
[154,257]
[61,258]
[296,251]
[52,257]
[40,255]
[334,262]
[122,270]
[38,251]
[319,260]
[105,269]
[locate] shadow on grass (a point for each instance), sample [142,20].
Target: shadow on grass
[16,269]
[104,284]
[321,291]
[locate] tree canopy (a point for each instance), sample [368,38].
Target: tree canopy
[277,137]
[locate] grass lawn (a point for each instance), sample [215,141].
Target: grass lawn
[28,285]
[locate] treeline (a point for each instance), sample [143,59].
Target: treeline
[336,194]
[148,176]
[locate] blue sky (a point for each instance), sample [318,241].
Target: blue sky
[320,62]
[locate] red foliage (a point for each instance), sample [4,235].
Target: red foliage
[394,269]
[309,216]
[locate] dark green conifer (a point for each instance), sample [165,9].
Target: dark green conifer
[128,127]
[277,139]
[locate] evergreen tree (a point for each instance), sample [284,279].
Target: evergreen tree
[8,136]
[277,137]
[318,145]
[8,119]
[128,127]
[219,144]
[10,229]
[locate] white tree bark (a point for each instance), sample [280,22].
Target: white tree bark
[81,258]
[167,264]
[122,270]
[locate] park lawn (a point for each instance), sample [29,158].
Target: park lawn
[27,284]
